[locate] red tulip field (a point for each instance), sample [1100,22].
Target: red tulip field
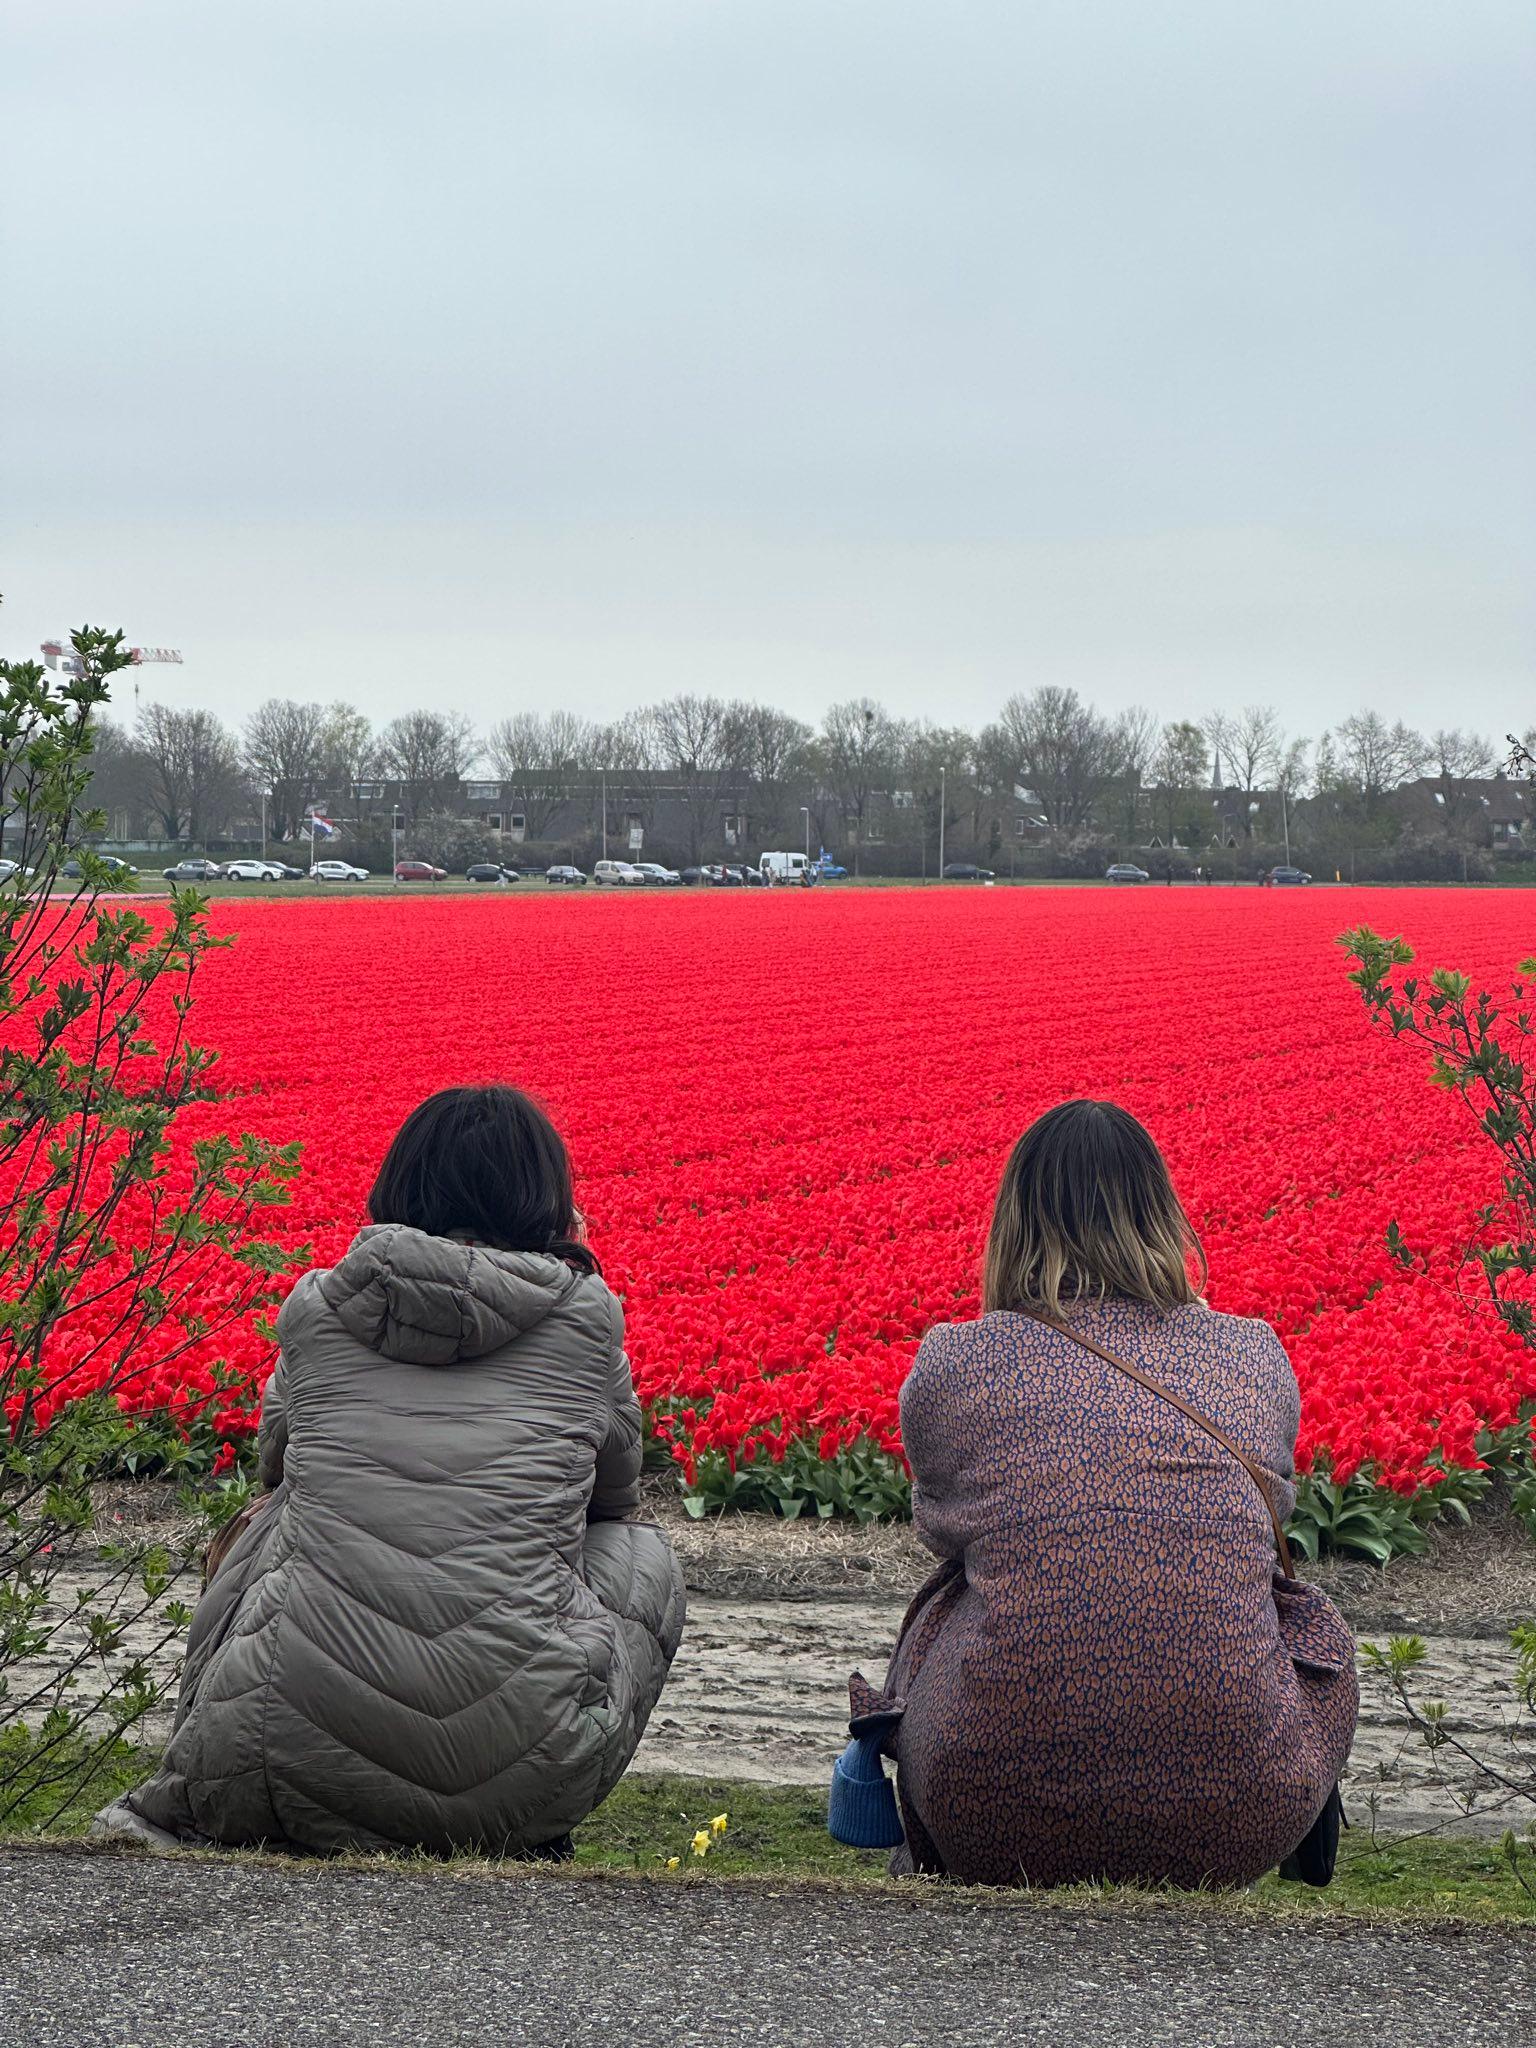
[788,1113]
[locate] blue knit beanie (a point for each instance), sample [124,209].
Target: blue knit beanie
[862,1810]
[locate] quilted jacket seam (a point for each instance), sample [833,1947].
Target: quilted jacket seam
[354,1748]
[500,1600]
[503,1681]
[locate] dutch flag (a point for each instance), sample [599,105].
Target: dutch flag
[322,828]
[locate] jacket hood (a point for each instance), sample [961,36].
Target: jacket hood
[434,1300]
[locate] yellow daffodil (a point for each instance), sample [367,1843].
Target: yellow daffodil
[701,1842]
[720,1823]
[674,1862]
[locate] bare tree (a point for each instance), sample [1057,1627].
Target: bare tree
[539,762]
[857,753]
[934,764]
[1458,759]
[1372,758]
[699,740]
[1293,768]
[773,753]
[425,751]
[1179,772]
[1457,756]
[628,745]
[284,753]
[347,749]
[1056,746]
[190,765]
[1134,740]
[1247,743]
[117,776]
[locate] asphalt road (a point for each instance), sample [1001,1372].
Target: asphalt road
[105,1949]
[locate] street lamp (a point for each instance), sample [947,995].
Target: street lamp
[941,821]
[805,812]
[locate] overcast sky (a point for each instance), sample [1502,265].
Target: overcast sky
[572,352]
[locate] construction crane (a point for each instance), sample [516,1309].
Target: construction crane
[56,655]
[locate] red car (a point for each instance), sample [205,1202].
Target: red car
[419,871]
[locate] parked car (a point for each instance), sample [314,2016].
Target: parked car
[287,872]
[617,874]
[194,871]
[657,876]
[123,868]
[254,871]
[751,878]
[723,877]
[337,871]
[696,878]
[1284,878]
[565,878]
[1126,871]
[10,869]
[489,871]
[419,871]
[967,871]
[829,871]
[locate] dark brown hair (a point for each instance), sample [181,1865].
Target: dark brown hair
[1087,1208]
[485,1164]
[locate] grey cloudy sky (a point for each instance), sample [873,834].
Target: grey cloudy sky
[526,352]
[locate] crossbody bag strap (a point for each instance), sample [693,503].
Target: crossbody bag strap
[1204,1422]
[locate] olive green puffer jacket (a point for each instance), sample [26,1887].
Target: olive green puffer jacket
[442,1633]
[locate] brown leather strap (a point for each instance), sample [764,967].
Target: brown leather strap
[1282,1548]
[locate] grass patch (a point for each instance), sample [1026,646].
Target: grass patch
[779,1832]
[1458,1877]
[771,1831]
[58,1792]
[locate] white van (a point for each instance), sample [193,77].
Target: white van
[617,874]
[785,867]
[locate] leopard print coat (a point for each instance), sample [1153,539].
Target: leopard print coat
[1107,1678]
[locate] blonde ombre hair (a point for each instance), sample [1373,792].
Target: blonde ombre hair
[1086,1209]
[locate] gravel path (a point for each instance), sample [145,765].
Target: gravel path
[137,1953]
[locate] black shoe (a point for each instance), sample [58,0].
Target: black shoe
[561,1850]
[1312,1860]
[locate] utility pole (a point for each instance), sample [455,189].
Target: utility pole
[603,777]
[941,819]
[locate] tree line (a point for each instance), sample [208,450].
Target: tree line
[1080,770]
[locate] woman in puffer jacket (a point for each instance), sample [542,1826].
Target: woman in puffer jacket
[444,1630]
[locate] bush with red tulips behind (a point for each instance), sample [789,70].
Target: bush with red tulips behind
[788,1113]
[124,1252]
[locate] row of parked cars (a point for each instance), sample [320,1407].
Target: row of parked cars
[1272,878]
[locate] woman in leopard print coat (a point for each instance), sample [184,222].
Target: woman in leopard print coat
[1107,1677]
